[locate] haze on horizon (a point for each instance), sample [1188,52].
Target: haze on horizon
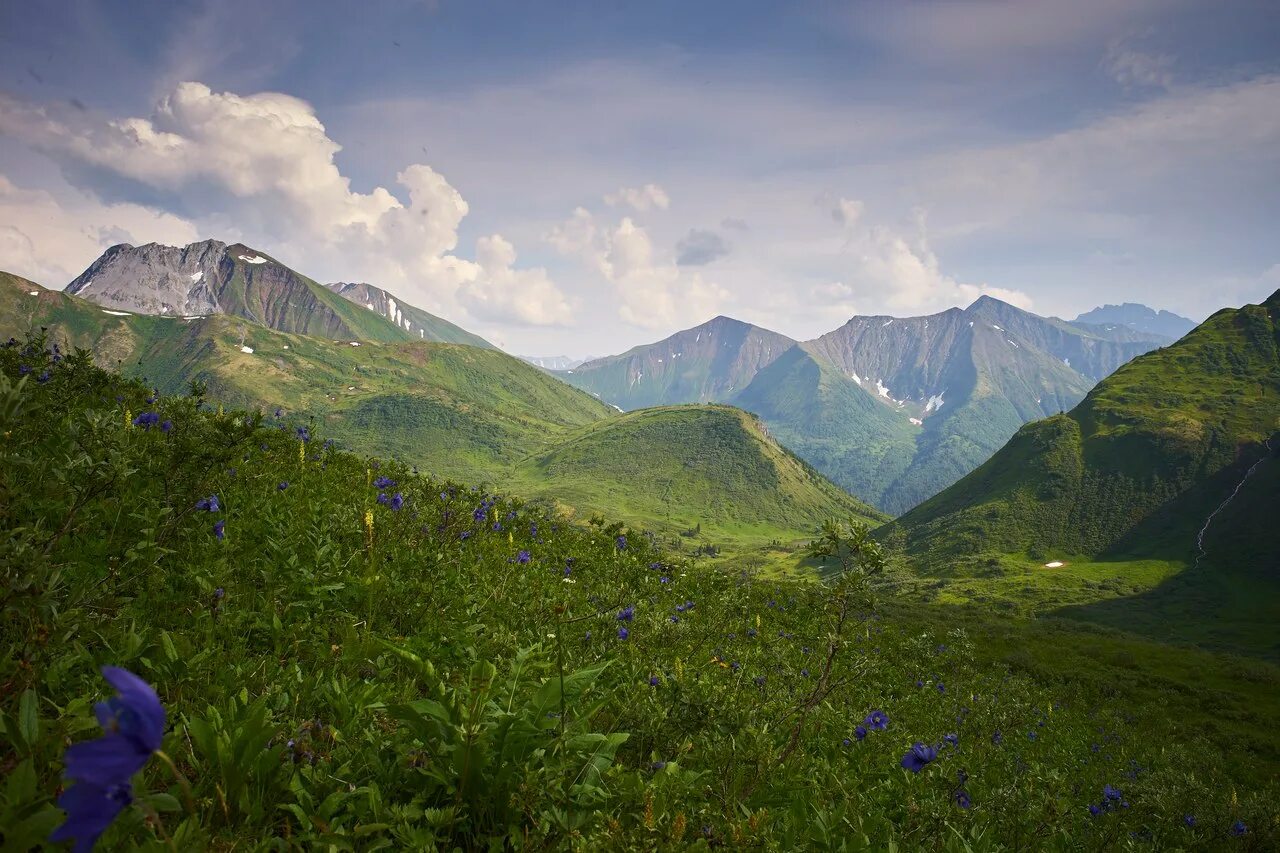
[576,180]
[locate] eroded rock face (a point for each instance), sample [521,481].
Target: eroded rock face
[155,279]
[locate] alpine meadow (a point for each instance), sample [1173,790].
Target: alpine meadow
[893,462]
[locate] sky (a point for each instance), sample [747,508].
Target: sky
[579,177]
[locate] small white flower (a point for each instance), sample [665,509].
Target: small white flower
[551,636]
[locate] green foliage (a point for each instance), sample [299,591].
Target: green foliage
[453,674]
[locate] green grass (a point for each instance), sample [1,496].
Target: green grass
[339,674]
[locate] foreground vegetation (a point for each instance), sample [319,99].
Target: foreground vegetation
[357,657]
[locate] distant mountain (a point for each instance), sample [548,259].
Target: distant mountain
[554,362]
[1140,465]
[1140,318]
[707,363]
[415,321]
[211,277]
[892,409]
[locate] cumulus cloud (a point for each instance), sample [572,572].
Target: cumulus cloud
[901,270]
[641,199]
[499,291]
[652,293]
[700,247]
[51,240]
[270,156]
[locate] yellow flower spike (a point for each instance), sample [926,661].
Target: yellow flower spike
[368,478]
[128,418]
[368,529]
[219,410]
[679,669]
[757,620]
[510,537]
[302,453]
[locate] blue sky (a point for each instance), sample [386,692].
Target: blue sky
[580,177]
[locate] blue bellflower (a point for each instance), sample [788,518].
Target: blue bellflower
[918,756]
[877,721]
[133,722]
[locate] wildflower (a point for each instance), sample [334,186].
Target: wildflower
[627,614]
[567,571]
[166,427]
[846,742]
[623,633]
[209,504]
[657,765]
[1110,793]
[918,756]
[133,721]
[279,413]
[804,673]
[952,739]
[397,501]
[219,593]
[23,370]
[674,618]
[383,499]
[1238,828]
[523,557]
[1032,736]
[146,420]
[151,399]
[860,732]
[664,580]
[653,681]
[877,721]
[997,738]
[942,688]
[283,485]
[303,434]
[962,799]
[43,377]
[384,483]
[1189,820]
[219,529]
[621,543]
[760,679]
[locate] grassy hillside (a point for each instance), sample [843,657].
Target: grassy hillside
[1119,490]
[450,670]
[711,468]
[421,325]
[1137,466]
[480,415]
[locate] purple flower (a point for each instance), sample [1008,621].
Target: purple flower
[384,483]
[997,738]
[952,739]
[43,377]
[209,504]
[523,557]
[1238,828]
[90,810]
[653,681]
[383,499]
[166,427]
[397,501]
[303,434]
[134,723]
[623,633]
[860,732]
[621,542]
[627,614]
[23,370]
[962,799]
[283,485]
[1110,793]
[918,756]
[219,529]
[877,721]
[942,688]
[1189,820]
[146,420]
[1095,809]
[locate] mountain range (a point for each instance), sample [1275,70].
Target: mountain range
[466,412]
[892,409]
[1140,318]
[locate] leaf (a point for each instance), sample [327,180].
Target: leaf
[167,643]
[163,802]
[29,716]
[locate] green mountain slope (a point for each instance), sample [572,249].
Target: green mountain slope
[707,363]
[685,467]
[1138,466]
[822,415]
[418,323]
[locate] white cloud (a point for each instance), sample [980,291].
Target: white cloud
[900,270]
[641,199]
[1133,68]
[51,241]
[500,292]
[652,293]
[271,157]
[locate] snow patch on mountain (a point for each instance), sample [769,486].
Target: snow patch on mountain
[253,259]
[934,402]
[195,276]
